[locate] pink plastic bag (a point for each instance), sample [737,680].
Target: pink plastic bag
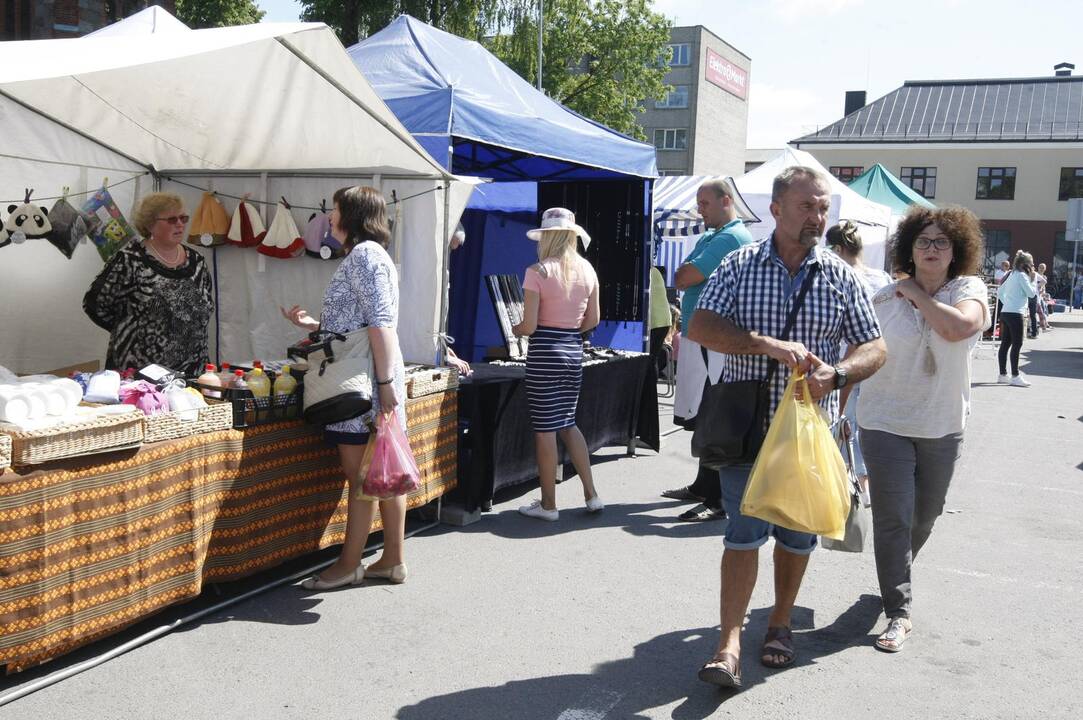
[392,470]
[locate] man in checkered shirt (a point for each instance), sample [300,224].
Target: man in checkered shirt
[741,313]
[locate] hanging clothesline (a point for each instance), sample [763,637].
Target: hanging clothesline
[105,186]
[393,201]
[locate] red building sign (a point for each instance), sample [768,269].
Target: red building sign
[726,75]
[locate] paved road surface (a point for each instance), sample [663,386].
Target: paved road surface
[610,617]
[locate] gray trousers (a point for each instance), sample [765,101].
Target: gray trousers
[908,482]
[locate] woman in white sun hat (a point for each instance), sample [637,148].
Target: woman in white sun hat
[561,303]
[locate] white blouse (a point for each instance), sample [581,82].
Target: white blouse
[923,390]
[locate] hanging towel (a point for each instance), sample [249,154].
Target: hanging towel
[69,226]
[283,239]
[246,229]
[210,223]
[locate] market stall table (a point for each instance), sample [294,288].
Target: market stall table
[496,450]
[89,546]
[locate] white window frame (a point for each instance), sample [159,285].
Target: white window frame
[681,93]
[677,50]
[670,139]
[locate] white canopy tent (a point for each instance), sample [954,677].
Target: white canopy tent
[271,110]
[147,21]
[874,218]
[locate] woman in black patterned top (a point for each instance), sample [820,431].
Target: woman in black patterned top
[154,297]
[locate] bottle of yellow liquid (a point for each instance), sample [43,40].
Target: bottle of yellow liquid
[284,386]
[258,383]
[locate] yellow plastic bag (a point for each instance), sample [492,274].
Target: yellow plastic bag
[799,479]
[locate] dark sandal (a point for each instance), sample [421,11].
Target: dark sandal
[724,670]
[892,639]
[682,494]
[778,641]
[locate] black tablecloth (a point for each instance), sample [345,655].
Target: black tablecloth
[617,404]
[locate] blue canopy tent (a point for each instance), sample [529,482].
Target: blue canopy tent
[478,117]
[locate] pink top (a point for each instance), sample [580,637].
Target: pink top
[557,307]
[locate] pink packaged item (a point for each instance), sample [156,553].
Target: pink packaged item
[392,470]
[144,396]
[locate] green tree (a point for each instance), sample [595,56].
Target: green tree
[601,58]
[218,13]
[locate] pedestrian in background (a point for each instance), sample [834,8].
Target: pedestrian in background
[714,201]
[845,240]
[741,313]
[560,304]
[1014,294]
[913,411]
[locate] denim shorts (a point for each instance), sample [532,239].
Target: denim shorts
[749,533]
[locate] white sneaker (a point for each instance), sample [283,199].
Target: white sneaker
[535,510]
[1020,381]
[595,504]
[1003,379]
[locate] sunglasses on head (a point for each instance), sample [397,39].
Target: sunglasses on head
[174,219]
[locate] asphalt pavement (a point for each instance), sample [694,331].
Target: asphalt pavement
[610,616]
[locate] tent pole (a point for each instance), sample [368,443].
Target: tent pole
[445,299]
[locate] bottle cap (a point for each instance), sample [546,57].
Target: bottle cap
[239,373]
[209,367]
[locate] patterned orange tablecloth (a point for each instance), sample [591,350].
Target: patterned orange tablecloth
[89,546]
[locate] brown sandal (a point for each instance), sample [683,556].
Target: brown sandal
[778,641]
[724,670]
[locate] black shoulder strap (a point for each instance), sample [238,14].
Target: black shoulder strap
[791,320]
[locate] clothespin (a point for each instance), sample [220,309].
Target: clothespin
[286,204]
[323,205]
[246,196]
[105,183]
[64,192]
[394,197]
[29,192]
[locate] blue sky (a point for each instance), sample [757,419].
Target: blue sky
[807,53]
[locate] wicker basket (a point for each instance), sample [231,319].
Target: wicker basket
[170,425]
[98,433]
[5,453]
[422,380]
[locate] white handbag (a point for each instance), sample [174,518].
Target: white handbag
[338,382]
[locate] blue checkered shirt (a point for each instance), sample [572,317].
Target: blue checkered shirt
[752,288]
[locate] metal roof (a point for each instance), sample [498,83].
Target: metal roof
[1014,110]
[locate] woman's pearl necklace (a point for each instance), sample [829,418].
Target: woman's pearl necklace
[176,258]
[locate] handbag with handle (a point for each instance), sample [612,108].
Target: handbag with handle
[859,520]
[732,418]
[338,382]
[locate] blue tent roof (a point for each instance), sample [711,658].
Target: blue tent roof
[498,125]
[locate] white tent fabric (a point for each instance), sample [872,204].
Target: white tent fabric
[270,109]
[147,21]
[846,204]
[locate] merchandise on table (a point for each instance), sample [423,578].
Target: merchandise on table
[87,430]
[422,380]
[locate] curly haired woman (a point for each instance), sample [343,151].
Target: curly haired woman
[913,411]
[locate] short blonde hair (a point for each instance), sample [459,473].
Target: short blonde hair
[146,214]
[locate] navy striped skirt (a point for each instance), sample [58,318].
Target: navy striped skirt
[554,372]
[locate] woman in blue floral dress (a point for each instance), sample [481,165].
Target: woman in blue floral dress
[364,292]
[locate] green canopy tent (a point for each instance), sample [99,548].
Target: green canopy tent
[879,185]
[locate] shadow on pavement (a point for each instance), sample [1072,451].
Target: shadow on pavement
[661,671]
[1054,363]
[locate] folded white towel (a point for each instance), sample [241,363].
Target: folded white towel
[104,387]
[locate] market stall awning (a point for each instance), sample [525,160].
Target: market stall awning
[452,92]
[879,185]
[188,101]
[675,213]
[151,20]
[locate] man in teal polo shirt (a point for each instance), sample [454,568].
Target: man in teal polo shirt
[725,234]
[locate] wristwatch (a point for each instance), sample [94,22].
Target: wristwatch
[840,378]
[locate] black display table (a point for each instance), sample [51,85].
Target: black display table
[617,406]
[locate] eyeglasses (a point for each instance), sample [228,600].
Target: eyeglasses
[940,243]
[174,219]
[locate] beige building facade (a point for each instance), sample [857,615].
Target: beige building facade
[1010,150]
[702,126]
